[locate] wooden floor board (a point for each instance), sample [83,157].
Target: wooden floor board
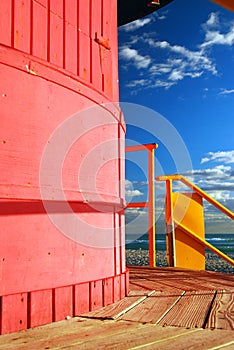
[222,313]
[128,340]
[115,310]
[167,319]
[152,309]
[190,311]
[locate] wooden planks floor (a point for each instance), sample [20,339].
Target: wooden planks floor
[166,309]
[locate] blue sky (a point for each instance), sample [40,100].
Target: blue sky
[179,62]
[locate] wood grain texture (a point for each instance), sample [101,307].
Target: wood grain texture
[116,309]
[222,313]
[13,313]
[79,333]
[177,310]
[152,308]
[40,308]
[190,311]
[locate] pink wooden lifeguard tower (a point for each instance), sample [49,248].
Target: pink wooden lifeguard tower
[62,249]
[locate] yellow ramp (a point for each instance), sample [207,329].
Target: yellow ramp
[188,211]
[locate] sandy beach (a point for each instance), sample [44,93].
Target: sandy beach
[140,257]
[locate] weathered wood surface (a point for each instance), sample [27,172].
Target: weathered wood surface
[190,311]
[222,313]
[152,309]
[80,333]
[167,279]
[114,311]
[196,312]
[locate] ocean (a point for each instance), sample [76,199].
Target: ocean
[222,241]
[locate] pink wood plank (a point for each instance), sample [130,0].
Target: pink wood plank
[116,288]
[122,286]
[106,18]
[122,233]
[71,12]
[71,36]
[114,51]
[5,22]
[106,59]
[40,308]
[71,48]
[62,303]
[39,30]
[14,313]
[96,65]
[96,295]
[84,17]
[117,243]
[127,281]
[22,24]
[43,2]
[96,17]
[56,7]
[84,58]
[108,291]
[109,57]
[222,315]
[81,298]
[56,33]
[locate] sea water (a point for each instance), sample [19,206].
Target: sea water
[222,241]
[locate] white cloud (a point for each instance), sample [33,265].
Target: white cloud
[133,193]
[216,38]
[161,68]
[130,191]
[176,75]
[225,157]
[139,23]
[213,35]
[139,82]
[219,171]
[135,211]
[164,84]
[213,20]
[226,92]
[186,61]
[161,17]
[219,195]
[180,61]
[138,60]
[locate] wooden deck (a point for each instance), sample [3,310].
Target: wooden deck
[166,309]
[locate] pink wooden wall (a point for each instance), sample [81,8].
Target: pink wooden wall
[58,57]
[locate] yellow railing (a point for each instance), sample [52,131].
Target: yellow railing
[172,222]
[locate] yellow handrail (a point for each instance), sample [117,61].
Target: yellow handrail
[199,191]
[204,243]
[203,194]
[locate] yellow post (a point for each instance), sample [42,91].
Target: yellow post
[170,232]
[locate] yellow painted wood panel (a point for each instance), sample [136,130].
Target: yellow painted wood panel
[188,210]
